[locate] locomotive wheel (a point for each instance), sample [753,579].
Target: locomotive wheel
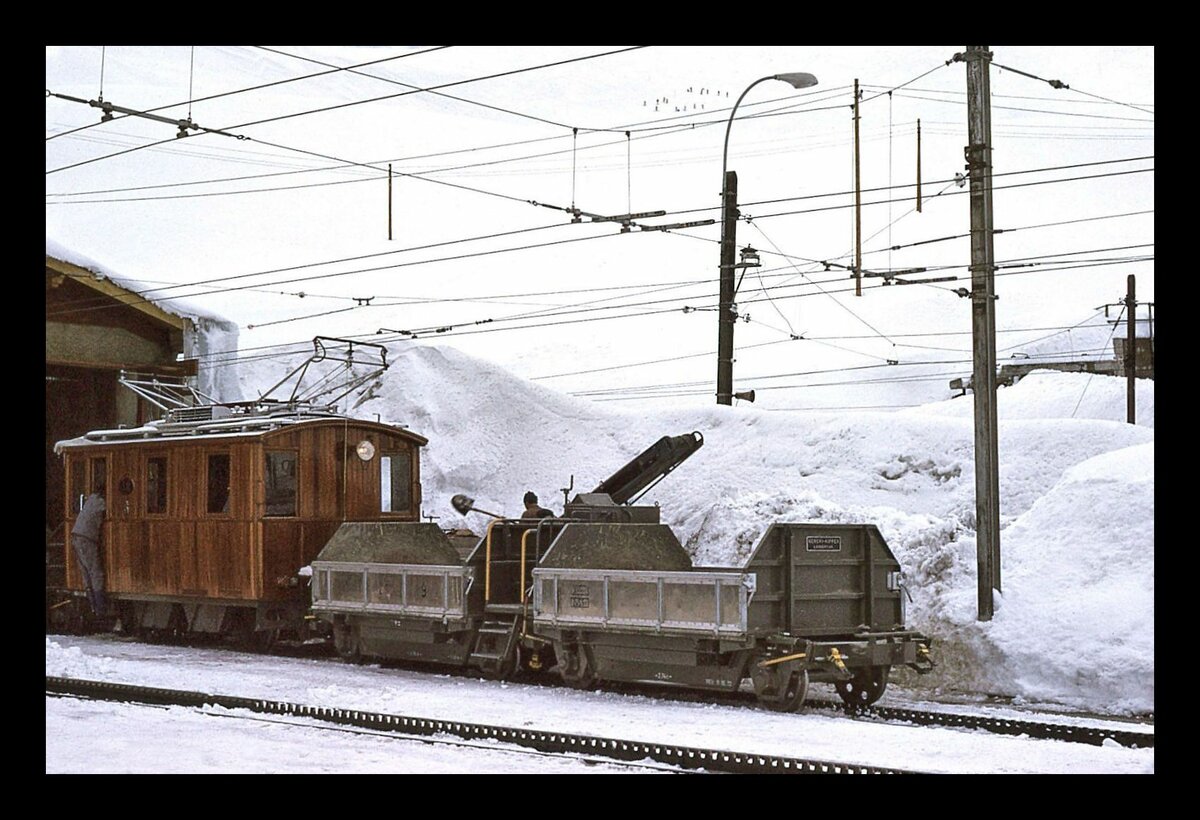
[264,640]
[777,693]
[865,687]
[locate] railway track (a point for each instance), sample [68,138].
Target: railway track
[1094,735]
[1091,735]
[683,757]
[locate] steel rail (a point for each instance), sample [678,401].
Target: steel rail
[685,757]
[1093,735]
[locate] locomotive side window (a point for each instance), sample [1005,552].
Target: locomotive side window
[99,477]
[78,469]
[218,483]
[156,485]
[396,482]
[280,476]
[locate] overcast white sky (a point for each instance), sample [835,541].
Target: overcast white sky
[308,187]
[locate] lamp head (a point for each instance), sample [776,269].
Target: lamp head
[797,79]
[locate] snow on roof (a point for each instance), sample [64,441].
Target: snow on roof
[176,307]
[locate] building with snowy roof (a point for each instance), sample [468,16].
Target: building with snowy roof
[99,324]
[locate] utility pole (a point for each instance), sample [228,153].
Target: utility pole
[983,326]
[918,165]
[726,311]
[389,202]
[1130,349]
[857,204]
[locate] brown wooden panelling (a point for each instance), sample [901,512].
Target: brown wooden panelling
[161,537]
[228,549]
[236,553]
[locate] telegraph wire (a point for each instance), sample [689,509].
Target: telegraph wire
[493,162]
[259,87]
[1059,330]
[680,212]
[1037,111]
[1059,84]
[952,193]
[756,379]
[388,267]
[409,85]
[343,165]
[471,327]
[437,87]
[344,105]
[670,391]
[910,82]
[1016,96]
[589,307]
[103,303]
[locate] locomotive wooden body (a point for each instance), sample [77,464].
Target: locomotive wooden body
[215,511]
[210,522]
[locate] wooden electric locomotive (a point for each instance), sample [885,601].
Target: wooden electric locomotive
[214,512]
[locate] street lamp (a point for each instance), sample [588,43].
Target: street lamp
[729,211]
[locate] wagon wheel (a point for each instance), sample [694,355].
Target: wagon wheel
[779,690]
[574,668]
[345,642]
[865,687]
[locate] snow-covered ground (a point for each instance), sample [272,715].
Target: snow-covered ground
[120,738]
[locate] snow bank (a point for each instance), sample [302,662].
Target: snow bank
[1050,394]
[1076,502]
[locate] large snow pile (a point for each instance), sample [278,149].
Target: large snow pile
[1075,623]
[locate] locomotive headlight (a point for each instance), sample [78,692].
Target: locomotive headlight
[365,450]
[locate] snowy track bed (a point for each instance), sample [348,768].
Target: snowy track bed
[549,743]
[811,735]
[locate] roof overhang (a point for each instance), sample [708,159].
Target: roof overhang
[103,285]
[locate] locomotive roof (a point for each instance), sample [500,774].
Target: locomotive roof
[241,426]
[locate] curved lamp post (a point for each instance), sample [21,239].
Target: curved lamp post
[726,312]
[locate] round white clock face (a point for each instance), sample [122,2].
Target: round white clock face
[365,450]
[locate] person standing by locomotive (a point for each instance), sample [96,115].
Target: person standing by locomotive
[532,509]
[85,540]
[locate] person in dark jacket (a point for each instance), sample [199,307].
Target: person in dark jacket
[532,510]
[85,541]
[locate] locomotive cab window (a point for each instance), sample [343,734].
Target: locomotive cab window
[156,485]
[218,483]
[280,478]
[396,481]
